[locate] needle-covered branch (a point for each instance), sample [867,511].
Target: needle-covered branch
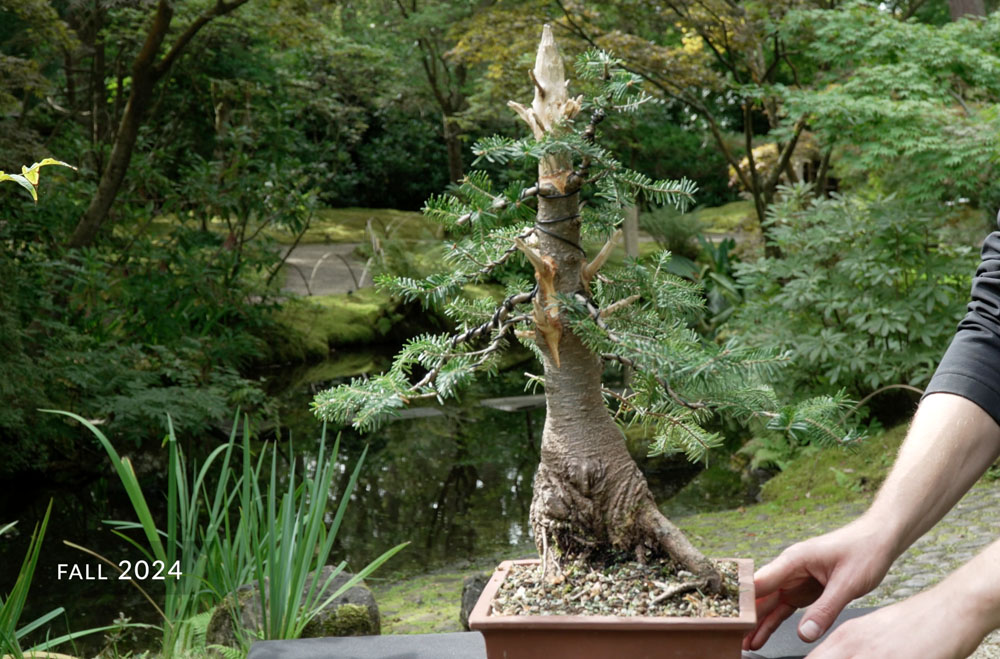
[498,319]
[625,361]
[368,403]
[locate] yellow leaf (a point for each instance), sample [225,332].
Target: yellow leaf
[31,173]
[22,181]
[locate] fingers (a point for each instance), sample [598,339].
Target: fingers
[773,584]
[770,578]
[766,626]
[782,586]
[820,616]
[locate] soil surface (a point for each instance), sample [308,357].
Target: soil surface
[619,589]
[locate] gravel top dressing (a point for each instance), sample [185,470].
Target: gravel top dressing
[620,589]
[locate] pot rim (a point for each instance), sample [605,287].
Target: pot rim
[480,618]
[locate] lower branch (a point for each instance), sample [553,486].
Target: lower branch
[625,361]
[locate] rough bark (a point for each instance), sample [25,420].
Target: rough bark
[589,495]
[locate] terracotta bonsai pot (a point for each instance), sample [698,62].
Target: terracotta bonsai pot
[612,637]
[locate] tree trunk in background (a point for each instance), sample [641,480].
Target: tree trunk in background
[589,494]
[147,70]
[960,8]
[456,168]
[114,172]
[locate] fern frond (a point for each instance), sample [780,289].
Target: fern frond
[227,652]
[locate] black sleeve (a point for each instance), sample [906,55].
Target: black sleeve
[971,366]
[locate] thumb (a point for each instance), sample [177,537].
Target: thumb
[824,611]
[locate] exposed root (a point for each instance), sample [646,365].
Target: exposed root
[576,516]
[671,540]
[677,589]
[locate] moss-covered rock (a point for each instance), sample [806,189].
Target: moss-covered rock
[351,613]
[836,474]
[345,620]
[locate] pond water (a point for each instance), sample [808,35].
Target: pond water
[454,481]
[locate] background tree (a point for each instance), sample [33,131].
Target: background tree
[905,105]
[147,69]
[431,24]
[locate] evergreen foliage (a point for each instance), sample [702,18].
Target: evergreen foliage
[637,316]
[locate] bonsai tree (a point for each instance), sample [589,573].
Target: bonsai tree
[590,499]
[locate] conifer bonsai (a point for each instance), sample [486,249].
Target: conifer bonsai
[590,498]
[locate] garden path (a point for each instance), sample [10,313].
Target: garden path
[324,269]
[963,532]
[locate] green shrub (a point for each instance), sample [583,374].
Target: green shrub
[864,293]
[673,230]
[122,332]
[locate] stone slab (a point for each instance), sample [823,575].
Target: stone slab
[784,644]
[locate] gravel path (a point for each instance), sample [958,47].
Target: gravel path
[324,270]
[963,532]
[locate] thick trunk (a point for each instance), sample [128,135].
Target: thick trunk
[589,495]
[590,498]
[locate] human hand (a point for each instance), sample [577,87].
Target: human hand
[824,574]
[927,625]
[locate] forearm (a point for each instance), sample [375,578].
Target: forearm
[973,591]
[950,444]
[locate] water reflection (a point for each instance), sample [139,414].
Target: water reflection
[456,486]
[454,481]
